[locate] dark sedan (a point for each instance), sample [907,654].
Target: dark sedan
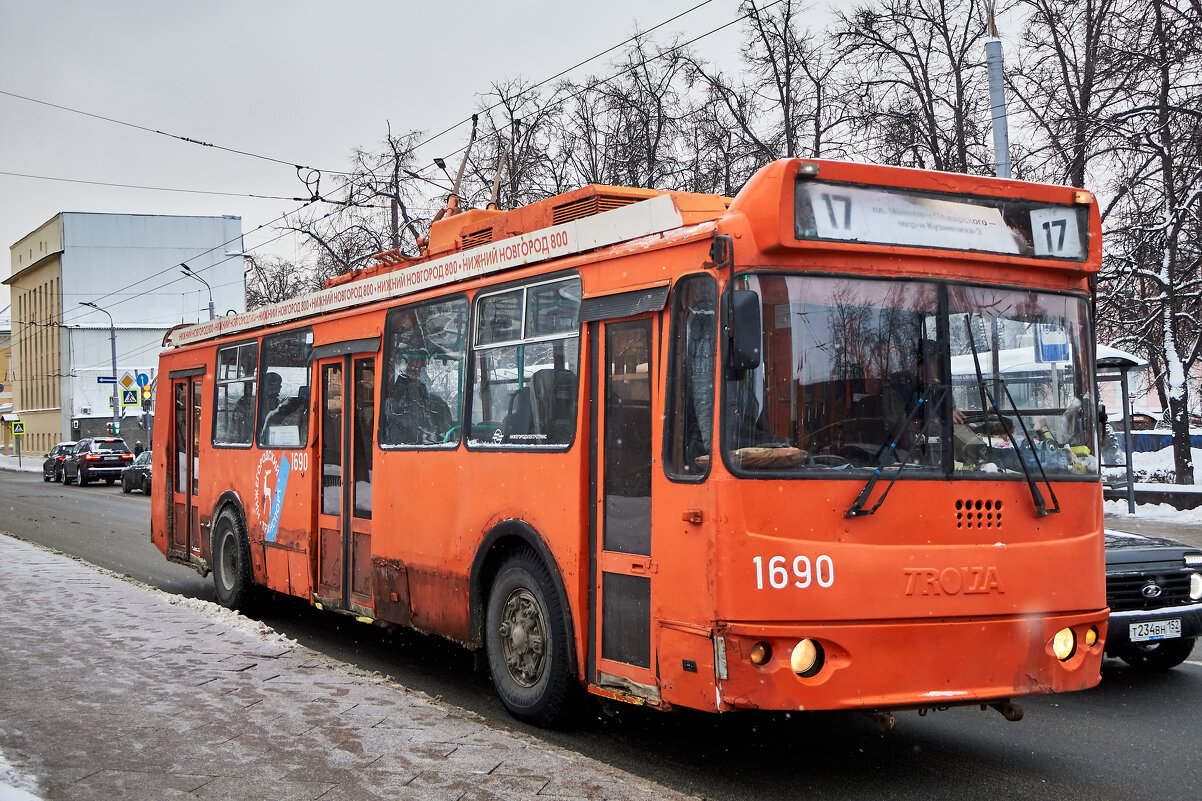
[52,468]
[96,458]
[137,475]
[1154,590]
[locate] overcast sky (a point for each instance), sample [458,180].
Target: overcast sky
[301,81]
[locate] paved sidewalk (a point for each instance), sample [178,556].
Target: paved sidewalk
[27,463]
[111,690]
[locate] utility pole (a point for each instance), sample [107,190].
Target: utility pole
[997,99]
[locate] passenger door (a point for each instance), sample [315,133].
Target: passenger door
[624,572]
[345,446]
[185,440]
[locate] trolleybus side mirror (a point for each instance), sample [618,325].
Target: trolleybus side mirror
[746,330]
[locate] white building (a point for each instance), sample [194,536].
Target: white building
[129,266]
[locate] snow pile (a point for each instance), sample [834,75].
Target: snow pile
[14,785]
[1156,467]
[1161,512]
[228,617]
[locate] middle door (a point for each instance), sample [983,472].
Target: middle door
[344,448]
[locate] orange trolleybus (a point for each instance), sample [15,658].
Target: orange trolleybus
[828,445]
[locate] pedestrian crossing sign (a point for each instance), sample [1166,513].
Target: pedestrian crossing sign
[129,397]
[18,429]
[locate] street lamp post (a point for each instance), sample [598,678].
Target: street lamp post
[116,389]
[186,270]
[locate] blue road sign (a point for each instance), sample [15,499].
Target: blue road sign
[129,397]
[106,379]
[143,379]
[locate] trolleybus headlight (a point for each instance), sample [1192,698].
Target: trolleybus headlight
[807,658]
[1091,637]
[1064,644]
[761,652]
[1195,586]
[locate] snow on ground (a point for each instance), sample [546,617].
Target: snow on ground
[1157,467]
[227,616]
[1161,512]
[14,785]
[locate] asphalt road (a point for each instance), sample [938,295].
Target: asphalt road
[1134,737]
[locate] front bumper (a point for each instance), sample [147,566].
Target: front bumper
[1121,622]
[913,664]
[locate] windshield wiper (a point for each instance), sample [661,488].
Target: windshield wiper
[857,507]
[1041,508]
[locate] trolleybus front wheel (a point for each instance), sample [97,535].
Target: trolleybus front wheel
[232,577]
[526,640]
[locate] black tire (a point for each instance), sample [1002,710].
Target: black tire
[145,486]
[526,641]
[125,487]
[45,478]
[1163,655]
[82,478]
[66,480]
[232,577]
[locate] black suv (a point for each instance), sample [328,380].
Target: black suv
[96,458]
[52,468]
[1154,590]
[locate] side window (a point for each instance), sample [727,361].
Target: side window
[527,365]
[234,402]
[283,418]
[420,396]
[692,360]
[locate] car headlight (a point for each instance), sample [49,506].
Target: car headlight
[1193,560]
[1195,586]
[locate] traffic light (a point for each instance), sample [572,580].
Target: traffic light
[116,429]
[146,398]
[108,428]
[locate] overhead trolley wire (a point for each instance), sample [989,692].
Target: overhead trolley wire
[621,72]
[167,134]
[150,188]
[563,72]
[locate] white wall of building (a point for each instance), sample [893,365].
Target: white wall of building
[129,265]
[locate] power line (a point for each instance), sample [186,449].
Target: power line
[149,188]
[623,71]
[180,137]
[563,72]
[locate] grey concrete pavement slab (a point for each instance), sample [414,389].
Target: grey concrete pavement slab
[113,690]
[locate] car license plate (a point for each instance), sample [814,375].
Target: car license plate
[1155,630]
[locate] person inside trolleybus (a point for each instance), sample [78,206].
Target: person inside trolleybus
[413,414]
[913,403]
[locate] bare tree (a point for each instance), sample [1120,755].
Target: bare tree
[790,99]
[524,140]
[272,280]
[626,129]
[1155,263]
[923,100]
[370,209]
[1070,79]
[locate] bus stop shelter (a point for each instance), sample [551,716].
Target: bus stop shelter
[1115,365]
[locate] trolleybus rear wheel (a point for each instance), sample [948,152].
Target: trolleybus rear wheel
[232,577]
[526,640]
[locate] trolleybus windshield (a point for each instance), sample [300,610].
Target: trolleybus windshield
[862,374]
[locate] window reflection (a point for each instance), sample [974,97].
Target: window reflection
[861,374]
